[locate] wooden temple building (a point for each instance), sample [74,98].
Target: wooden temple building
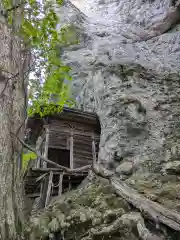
[70,139]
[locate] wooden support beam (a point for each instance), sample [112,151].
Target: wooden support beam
[71,150]
[67,143]
[77,133]
[49,188]
[33,195]
[93,150]
[60,167]
[43,192]
[70,185]
[46,145]
[56,172]
[38,149]
[60,184]
[38,163]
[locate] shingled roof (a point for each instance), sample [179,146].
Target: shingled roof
[71,114]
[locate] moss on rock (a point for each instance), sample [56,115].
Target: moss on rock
[81,213]
[164,189]
[95,212]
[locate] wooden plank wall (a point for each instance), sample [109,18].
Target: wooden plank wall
[59,137]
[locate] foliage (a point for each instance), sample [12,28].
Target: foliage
[49,76]
[26,157]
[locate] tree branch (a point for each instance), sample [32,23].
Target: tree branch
[4,13]
[148,208]
[128,219]
[65,169]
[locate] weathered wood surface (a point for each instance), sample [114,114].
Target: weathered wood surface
[64,143]
[70,185]
[93,151]
[43,192]
[39,143]
[32,187]
[65,127]
[49,188]
[78,116]
[60,184]
[41,177]
[61,138]
[65,169]
[71,151]
[57,171]
[72,123]
[46,146]
[66,131]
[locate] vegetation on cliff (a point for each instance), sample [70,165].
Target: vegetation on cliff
[94,211]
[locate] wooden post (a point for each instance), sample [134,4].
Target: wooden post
[60,184]
[38,149]
[70,186]
[49,188]
[38,164]
[71,150]
[67,143]
[46,146]
[93,150]
[43,192]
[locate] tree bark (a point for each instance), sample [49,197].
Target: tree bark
[13,64]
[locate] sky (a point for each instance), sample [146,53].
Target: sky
[77,3]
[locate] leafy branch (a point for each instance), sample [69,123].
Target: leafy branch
[13,8]
[38,30]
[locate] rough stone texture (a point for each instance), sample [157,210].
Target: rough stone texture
[172,167]
[125,168]
[93,213]
[126,68]
[156,187]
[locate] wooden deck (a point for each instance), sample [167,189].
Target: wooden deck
[35,177]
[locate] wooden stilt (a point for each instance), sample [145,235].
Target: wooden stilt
[93,150]
[70,186]
[71,150]
[43,192]
[46,146]
[49,189]
[38,164]
[60,184]
[38,149]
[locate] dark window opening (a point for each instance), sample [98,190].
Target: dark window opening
[60,156]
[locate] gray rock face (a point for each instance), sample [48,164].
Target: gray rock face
[125,168]
[172,167]
[126,68]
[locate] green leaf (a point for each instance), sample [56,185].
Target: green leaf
[29,29]
[26,157]
[39,32]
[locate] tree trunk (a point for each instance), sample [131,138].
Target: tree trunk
[12,114]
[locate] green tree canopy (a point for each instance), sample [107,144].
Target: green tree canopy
[48,75]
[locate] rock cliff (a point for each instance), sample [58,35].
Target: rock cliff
[126,68]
